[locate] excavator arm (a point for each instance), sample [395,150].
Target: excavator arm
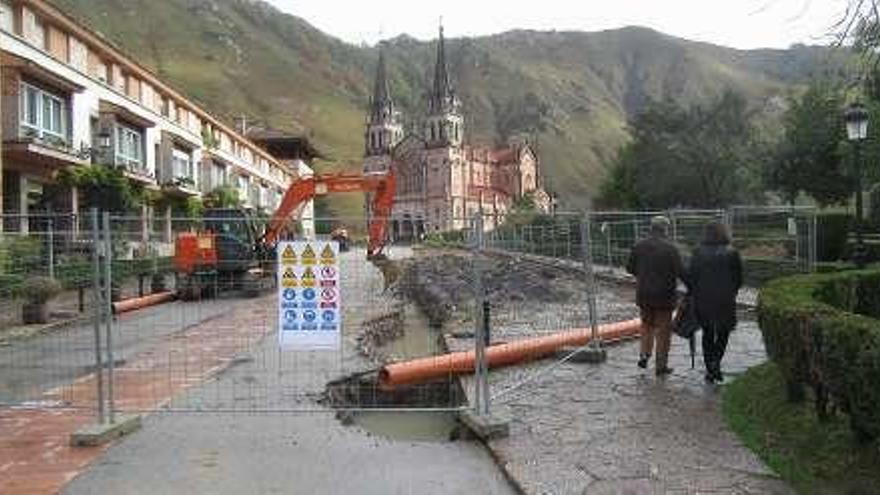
[381,185]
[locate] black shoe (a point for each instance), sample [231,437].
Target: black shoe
[643,361]
[710,377]
[717,376]
[664,371]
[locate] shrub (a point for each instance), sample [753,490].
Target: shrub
[822,332]
[40,290]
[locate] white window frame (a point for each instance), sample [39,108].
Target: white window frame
[129,149]
[7,17]
[244,188]
[182,164]
[219,174]
[43,125]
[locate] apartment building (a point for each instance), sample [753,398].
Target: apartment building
[69,98]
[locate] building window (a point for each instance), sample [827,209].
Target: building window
[244,186]
[219,175]
[44,115]
[182,166]
[7,21]
[129,147]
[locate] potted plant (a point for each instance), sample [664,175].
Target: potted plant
[37,292]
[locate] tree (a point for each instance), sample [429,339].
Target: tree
[223,197]
[810,157]
[102,187]
[703,156]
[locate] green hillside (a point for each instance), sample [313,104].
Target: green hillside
[571,91]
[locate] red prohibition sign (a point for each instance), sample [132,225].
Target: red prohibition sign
[328,294]
[328,272]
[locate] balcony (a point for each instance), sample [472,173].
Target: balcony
[137,171]
[47,152]
[181,186]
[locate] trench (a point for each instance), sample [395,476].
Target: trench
[423,413]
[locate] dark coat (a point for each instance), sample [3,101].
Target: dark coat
[657,265]
[715,277]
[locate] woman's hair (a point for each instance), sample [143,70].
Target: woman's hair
[716,233]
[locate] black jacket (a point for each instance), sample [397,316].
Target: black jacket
[715,277]
[657,265]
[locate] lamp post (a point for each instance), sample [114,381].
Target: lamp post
[856,118]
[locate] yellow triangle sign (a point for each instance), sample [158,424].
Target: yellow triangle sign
[328,257]
[288,256]
[308,278]
[308,255]
[288,280]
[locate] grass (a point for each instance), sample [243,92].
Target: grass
[813,457]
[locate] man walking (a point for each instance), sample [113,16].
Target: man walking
[657,266]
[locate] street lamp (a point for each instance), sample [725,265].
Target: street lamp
[856,118]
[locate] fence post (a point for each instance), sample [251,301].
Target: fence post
[481,385]
[50,239]
[108,312]
[97,253]
[594,353]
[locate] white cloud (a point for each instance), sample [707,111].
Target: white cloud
[736,23]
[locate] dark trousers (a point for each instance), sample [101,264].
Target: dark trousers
[715,336]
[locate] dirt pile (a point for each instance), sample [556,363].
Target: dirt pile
[443,284]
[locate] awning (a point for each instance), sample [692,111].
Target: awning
[36,72]
[105,107]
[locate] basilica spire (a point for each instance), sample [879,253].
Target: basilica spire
[383,130]
[442,89]
[381,105]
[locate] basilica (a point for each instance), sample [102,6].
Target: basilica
[441,181]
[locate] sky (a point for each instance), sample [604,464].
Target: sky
[744,24]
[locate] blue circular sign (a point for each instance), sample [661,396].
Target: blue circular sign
[289,294]
[310,316]
[309,294]
[328,315]
[290,315]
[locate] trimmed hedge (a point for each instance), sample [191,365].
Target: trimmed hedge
[76,274]
[823,331]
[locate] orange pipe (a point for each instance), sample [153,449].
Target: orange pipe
[431,368]
[142,302]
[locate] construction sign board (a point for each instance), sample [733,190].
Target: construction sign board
[309,305]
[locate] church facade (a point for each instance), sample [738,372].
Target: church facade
[441,181]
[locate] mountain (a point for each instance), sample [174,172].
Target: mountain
[572,92]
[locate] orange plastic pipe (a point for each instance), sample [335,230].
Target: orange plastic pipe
[142,302]
[431,368]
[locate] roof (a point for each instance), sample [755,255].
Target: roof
[283,145]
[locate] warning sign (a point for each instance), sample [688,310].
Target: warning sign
[328,257]
[308,277]
[288,256]
[308,255]
[288,280]
[309,309]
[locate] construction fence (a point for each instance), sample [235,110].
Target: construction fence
[213,343]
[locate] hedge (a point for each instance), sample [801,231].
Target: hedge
[76,274]
[823,331]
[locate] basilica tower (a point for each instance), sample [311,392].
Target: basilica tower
[383,127]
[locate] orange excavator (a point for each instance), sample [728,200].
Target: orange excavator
[233,251]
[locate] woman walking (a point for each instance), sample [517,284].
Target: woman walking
[715,276]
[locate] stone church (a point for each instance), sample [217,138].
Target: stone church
[441,181]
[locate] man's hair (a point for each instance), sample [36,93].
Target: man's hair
[659,225]
[716,233]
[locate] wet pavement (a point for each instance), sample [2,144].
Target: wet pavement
[244,418]
[614,428]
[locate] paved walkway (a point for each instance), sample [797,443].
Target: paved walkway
[614,428]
